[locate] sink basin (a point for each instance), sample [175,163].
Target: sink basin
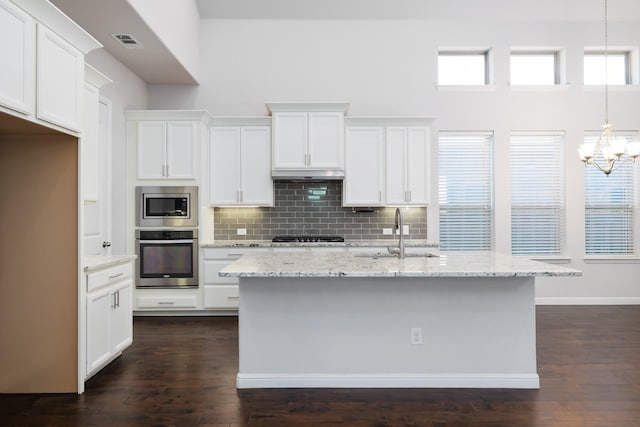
[388,255]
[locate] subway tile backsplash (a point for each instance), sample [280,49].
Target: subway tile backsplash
[312,208]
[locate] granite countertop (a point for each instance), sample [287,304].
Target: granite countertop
[418,243]
[97,262]
[448,264]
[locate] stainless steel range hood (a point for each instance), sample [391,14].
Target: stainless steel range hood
[306,175]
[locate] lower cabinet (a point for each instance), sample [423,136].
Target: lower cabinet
[109,315]
[222,293]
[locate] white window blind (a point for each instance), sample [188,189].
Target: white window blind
[610,208]
[537,194]
[465,190]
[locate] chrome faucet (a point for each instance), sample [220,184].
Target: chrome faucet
[398,226]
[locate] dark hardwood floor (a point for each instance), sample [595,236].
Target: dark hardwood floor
[181,372]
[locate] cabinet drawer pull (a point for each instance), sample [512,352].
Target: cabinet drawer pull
[165,303]
[233,298]
[233,255]
[116,275]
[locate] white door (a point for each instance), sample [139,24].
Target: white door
[97,209]
[60,78]
[224,165]
[326,140]
[123,316]
[99,327]
[363,169]
[396,168]
[418,166]
[17,45]
[257,185]
[151,152]
[181,150]
[289,140]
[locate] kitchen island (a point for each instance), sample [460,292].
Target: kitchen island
[353,320]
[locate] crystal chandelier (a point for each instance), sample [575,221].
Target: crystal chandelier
[608,148]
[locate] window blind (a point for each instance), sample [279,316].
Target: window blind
[610,208]
[537,194]
[465,190]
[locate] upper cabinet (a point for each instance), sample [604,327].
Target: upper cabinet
[240,166]
[60,77]
[17,54]
[364,169]
[308,136]
[167,149]
[407,165]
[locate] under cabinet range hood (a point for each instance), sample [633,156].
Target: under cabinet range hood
[306,175]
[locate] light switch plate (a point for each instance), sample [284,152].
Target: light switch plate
[241,231]
[405,229]
[387,231]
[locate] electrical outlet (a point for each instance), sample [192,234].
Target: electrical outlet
[387,231]
[241,231]
[405,229]
[416,336]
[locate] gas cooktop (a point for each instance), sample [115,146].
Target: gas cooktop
[314,239]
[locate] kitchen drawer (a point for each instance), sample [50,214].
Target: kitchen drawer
[225,296]
[104,277]
[231,254]
[211,269]
[168,302]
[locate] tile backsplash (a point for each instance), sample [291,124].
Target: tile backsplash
[312,208]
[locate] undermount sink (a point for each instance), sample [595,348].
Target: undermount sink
[388,255]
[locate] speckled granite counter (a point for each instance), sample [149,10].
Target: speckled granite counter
[319,319]
[98,262]
[354,243]
[454,264]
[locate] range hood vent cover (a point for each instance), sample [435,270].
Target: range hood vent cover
[306,175]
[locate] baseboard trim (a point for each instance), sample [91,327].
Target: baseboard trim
[589,301]
[516,381]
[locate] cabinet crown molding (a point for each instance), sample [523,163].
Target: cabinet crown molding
[307,106]
[193,115]
[95,77]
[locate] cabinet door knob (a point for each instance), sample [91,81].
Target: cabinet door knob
[106,244]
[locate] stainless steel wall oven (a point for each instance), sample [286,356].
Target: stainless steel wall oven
[167,258]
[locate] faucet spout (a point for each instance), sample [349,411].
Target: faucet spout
[399,227]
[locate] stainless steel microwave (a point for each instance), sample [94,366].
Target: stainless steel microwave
[167,206]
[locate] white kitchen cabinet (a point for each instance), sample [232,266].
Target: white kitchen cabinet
[60,79]
[90,144]
[407,165]
[167,149]
[17,54]
[240,167]
[308,140]
[364,166]
[109,316]
[222,293]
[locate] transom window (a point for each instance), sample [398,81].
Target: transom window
[617,70]
[534,68]
[463,68]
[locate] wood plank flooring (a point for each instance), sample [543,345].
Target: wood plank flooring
[181,372]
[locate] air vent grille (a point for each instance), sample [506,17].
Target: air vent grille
[128,41]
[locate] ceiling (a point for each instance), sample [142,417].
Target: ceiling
[157,65]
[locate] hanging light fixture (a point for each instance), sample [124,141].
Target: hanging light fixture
[608,148]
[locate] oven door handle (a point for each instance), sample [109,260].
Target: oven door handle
[167,242]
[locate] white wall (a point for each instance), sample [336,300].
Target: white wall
[389,68]
[127,92]
[164,17]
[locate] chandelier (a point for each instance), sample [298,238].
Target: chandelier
[608,150]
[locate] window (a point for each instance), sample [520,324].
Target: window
[610,208]
[535,68]
[537,194]
[618,70]
[463,67]
[465,191]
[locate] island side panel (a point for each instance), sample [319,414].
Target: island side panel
[356,332]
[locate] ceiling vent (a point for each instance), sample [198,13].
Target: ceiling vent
[128,41]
